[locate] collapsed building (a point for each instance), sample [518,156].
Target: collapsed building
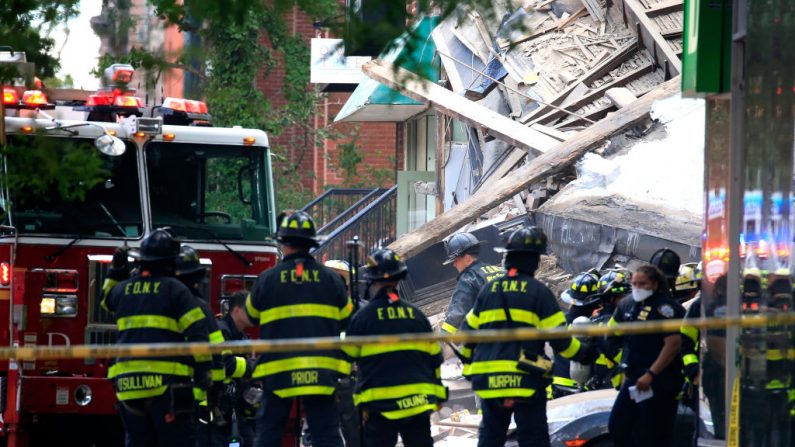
[574,122]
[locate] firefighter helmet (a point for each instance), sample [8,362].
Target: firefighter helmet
[297,227]
[526,240]
[667,261]
[159,245]
[341,267]
[614,283]
[188,261]
[582,291]
[384,265]
[460,244]
[688,278]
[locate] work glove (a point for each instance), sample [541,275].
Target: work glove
[120,267]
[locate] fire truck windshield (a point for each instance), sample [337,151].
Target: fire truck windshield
[65,187]
[209,192]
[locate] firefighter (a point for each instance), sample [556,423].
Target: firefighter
[349,418]
[242,398]
[583,301]
[462,251]
[767,366]
[213,429]
[613,286]
[668,262]
[650,362]
[398,385]
[299,298]
[156,399]
[511,377]
[688,284]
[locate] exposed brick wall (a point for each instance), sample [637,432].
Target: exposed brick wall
[377,141]
[318,165]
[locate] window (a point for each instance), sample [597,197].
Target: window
[209,192]
[91,195]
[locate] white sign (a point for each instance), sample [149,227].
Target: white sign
[330,66]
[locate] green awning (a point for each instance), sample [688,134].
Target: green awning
[373,101]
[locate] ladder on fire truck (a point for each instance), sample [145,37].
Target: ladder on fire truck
[342,213]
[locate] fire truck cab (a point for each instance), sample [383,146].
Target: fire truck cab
[212,186]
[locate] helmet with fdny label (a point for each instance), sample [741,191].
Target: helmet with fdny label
[525,240]
[614,283]
[667,261]
[460,244]
[188,261]
[384,265]
[297,228]
[159,245]
[582,291]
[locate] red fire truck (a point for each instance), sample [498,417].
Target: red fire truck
[152,167]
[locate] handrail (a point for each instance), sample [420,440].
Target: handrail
[350,210]
[332,202]
[333,191]
[380,216]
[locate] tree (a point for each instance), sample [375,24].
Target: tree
[244,39]
[25,26]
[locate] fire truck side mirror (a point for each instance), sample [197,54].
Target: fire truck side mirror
[110,145]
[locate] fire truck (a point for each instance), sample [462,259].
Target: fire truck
[147,167]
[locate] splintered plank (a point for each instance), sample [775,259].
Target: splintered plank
[636,17]
[458,107]
[556,160]
[616,58]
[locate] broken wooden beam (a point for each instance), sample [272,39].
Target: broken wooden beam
[665,8]
[649,35]
[616,58]
[458,107]
[597,93]
[554,161]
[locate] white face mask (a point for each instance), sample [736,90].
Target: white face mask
[641,294]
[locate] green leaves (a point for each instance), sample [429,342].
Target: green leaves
[45,165]
[22,25]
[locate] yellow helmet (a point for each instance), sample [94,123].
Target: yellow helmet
[689,277]
[341,267]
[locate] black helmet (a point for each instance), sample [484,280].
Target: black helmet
[615,283]
[460,244]
[384,265]
[527,240]
[159,245]
[582,291]
[297,227]
[188,261]
[668,261]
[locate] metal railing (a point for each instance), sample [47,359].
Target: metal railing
[325,207]
[350,212]
[375,224]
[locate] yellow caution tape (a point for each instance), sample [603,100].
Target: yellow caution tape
[335,343]
[734,415]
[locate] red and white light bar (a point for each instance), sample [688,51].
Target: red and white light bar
[31,99]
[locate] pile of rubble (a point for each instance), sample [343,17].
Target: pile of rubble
[540,86]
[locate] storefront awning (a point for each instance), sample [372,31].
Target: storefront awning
[373,101]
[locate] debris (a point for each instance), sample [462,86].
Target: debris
[650,35]
[457,107]
[567,21]
[553,161]
[595,9]
[620,96]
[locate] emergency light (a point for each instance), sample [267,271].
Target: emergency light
[31,99]
[5,274]
[182,112]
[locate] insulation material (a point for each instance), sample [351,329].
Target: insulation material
[666,171]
